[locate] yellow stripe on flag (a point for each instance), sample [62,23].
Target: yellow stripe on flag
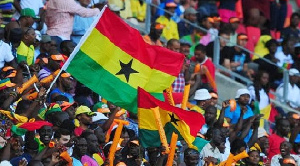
[109,56]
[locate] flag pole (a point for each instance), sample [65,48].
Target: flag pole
[161,130]
[77,48]
[185,98]
[172,149]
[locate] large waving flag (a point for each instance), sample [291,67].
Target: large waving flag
[112,59]
[185,123]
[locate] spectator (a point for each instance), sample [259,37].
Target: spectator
[263,142]
[233,24]
[153,38]
[194,39]
[64,87]
[293,90]
[25,51]
[207,23]
[92,148]
[285,153]
[84,116]
[293,29]
[227,10]
[185,48]
[138,9]
[206,8]
[170,30]
[203,99]
[79,150]
[45,45]
[239,58]
[242,105]
[6,55]
[60,17]
[201,58]
[271,69]
[284,57]
[191,157]
[259,92]
[282,129]
[81,24]
[185,28]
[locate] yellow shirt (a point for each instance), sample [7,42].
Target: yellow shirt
[170,30]
[138,10]
[25,53]
[260,47]
[126,13]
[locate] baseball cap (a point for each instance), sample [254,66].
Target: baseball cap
[159,26]
[101,107]
[84,110]
[65,105]
[99,116]
[202,94]
[171,4]
[190,10]
[234,19]
[46,39]
[241,92]
[9,72]
[262,133]
[57,57]
[242,37]
[293,72]
[27,12]
[136,142]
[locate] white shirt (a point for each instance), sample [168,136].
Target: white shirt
[5,53]
[207,151]
[293,95]
[283,58]
[275,159]
[264,98]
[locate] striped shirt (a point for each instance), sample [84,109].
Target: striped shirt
[60,16]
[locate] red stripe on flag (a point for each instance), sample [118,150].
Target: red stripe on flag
[130,41]
[194,120]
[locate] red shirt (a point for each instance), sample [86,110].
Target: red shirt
[275,141]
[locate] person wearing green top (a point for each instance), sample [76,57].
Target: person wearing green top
[194,39]
[25,51]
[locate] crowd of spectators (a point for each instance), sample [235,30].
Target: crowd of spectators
[72,125]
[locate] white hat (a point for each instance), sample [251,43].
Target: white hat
[202,94]
[99,116]
[293,72]
[262,133]
[241,92]
[114,8]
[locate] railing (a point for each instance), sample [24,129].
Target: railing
[216,56]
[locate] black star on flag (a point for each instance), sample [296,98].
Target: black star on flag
[173,119]
[126,69]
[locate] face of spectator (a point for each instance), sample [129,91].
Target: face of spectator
[67,83]
[254,157]
[284,127]
[290,46]
[29,21]
[264,80]
[210,115]
[58,118]
[242,43]
[192,158]
[185,49]
[244,99]
[125,137]
[191,17]
[64,139]
[294,79]
[175,46]
[204,103]
[222,147]
[46,46]
[199,55]
[53,47]
[264,144]
[234,26]
[69,48]
[222,41]
[93,146]
[85,119]
[207,24]
[272,48]
[30,36]
[134,149]
[171,10]
[45,134]
[71,112]
[285,148]
[81,146]
[295,21]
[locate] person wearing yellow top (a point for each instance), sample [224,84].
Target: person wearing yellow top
[25,52]
[261,48]
[138,8]
[124,5]
[170,30]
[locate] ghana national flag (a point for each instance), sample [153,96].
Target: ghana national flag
[185,123]
[113,60]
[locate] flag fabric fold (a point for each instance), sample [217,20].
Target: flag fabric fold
[185,123]
[112,59]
